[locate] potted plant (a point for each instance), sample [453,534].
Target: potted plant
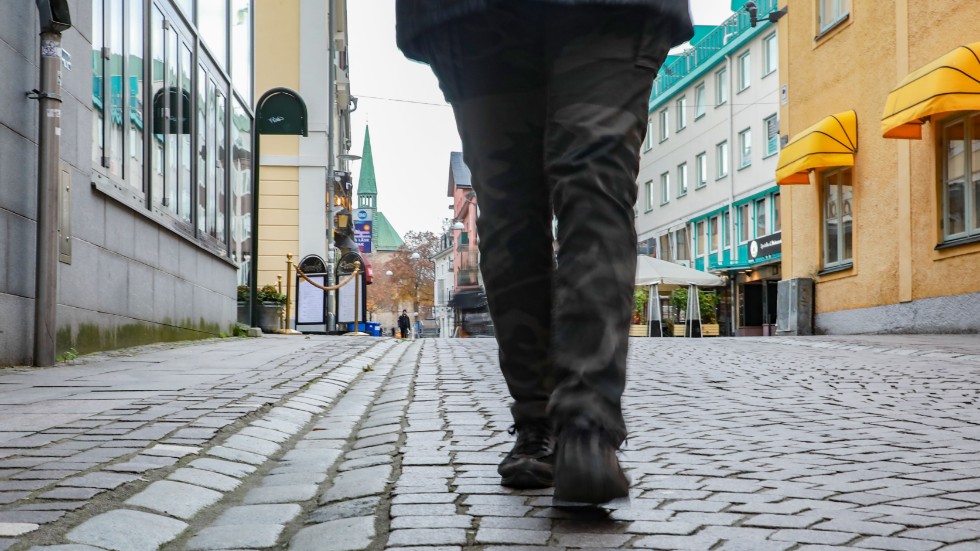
[638,327]
[273,303]
[708,302]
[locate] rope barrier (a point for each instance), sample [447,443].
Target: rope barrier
[323,287]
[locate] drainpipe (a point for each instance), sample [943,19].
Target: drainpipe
[731,187]
[331,100]
[54,19]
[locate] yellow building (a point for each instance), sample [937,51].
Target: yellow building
[888,228]
[292,50]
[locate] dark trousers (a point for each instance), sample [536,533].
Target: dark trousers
[551,103]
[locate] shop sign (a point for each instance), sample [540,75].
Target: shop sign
[767,245]
[362,236]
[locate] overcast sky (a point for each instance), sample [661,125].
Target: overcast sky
[412,128]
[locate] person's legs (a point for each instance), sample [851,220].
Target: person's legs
[602,64]
[489,67]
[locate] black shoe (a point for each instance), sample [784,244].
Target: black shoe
[530,463]
[586,467]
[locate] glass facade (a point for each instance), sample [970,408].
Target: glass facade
[191,121]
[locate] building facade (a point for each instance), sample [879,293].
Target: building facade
[155,134]
[885,152]
[293,50]
[707,192]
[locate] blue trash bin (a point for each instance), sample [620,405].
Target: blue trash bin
[374,328]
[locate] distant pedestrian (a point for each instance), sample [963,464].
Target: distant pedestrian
[404,323]
[551,102]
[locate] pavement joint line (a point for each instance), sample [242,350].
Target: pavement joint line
[407,361]
[205,523]
[55,531]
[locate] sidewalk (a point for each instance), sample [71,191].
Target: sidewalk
[339,443]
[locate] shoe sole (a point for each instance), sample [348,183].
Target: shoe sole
[526,481]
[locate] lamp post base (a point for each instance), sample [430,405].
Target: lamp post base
[356,334]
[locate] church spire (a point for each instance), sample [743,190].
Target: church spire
[367,186]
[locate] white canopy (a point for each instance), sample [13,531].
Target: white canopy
[653,271]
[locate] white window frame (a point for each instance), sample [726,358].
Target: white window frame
[744,71]
[714,231]
[700,101]
[745,148]
[701,160]
[721,86]
[744,223]
[664,188]
[648,192]
[760,207]
[770,55]
[681,113]
[682,179]
[664,124]
[721,160]
[648,141]
[832,12]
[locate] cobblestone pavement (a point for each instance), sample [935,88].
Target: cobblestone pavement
[345,444]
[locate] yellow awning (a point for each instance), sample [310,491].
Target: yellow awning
[950,83]
[830,142]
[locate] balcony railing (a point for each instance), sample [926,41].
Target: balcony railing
[705,50]
[468,277]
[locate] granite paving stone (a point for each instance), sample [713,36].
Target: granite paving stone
[175,498]
[348,534]
[125,530]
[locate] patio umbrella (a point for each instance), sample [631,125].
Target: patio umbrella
[653,272]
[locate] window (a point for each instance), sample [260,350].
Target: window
[721,87]
[664,250]
[726,220]
[664,125]
[700,237]
[744,71]
[837,218]
[714,228]
[648,142]
[212,20]
[241,189]
[664,188]
[761,228]
[648,196]
[682,113]
[180,117]
[700,99]
[961,178]
[682,244]
[702,162]
[743,223]
[745,148]
[777,221]
[682,179]
[832,12]
[721,155]
[241,47]
[770,51]
[771,125]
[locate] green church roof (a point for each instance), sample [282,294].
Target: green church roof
[384,236]
[366,182]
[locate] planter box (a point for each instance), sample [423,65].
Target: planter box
[638,330]
[710,330]
[243,311]
[269,316]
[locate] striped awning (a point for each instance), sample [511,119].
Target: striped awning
[831,142]
[950,83]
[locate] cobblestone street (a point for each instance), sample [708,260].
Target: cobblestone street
[333,443]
